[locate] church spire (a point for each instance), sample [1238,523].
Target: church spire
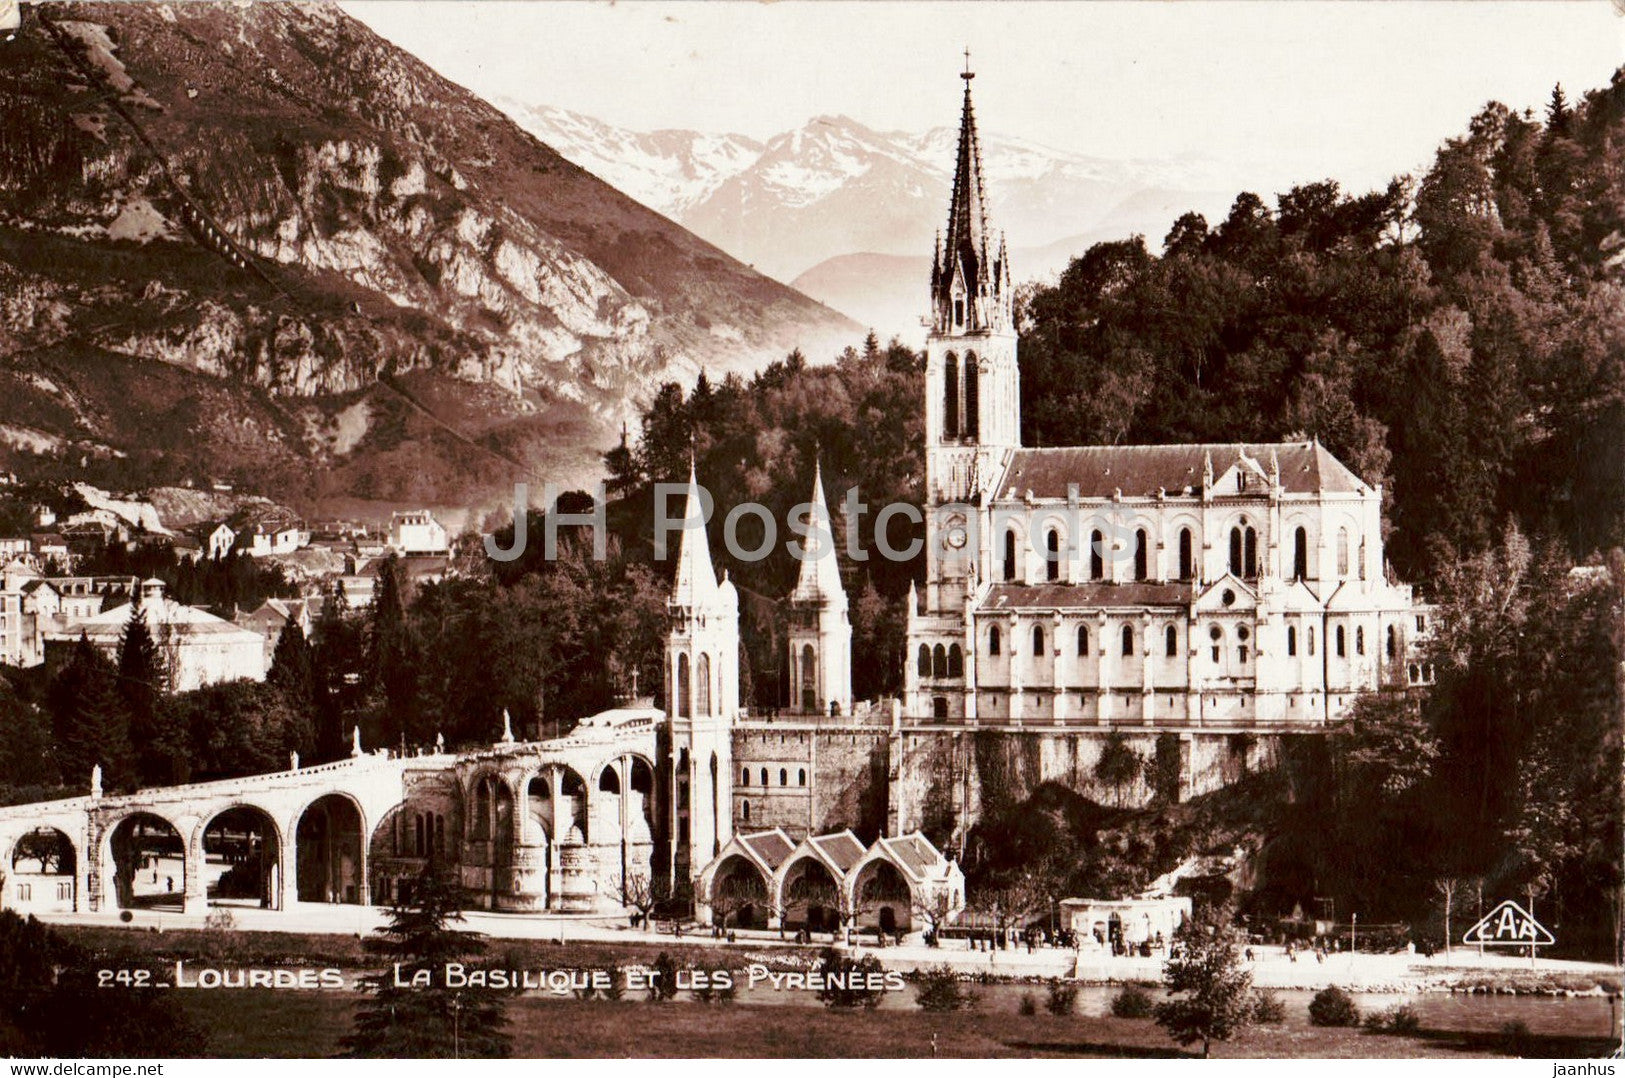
[820,578]
[696,582]
[969,280]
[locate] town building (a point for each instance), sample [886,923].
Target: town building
[197,647]
[417,532]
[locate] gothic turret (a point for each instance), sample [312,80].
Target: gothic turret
[820,635]
[702,698]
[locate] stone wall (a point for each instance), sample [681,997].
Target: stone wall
[845,769]
[940,781]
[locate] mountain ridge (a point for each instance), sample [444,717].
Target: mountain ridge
[275,197]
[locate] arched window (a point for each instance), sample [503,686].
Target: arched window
[1170,642]
[1083,639]
[993,640]
[1216,634]
[1291,639]
[809,681]
[973,397]
[1359,640]
[417,834]
[939,661]
[801,776]
[1038,640]
[744,776]
[1128,640]
[1311,631]
[923,667]
[1342,552]
[1187,562]
[1140,543]
[764,776]
[1097,556]
[682,688]
[1009,555]
[1300,554]
[1235,551]
[950,396]
[1393,642]
[1342,643]
[1052,550]
[1249,557]
[956,661]
[784,776]
[744,811]
[703,676]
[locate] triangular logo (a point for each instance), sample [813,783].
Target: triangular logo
[1509,925]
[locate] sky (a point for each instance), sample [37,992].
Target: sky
[1277,91]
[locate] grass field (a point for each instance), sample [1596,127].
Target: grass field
[283,1024]
[299,1023]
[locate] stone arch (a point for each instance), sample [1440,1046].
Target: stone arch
[573,790]
[738,892]
[241,847]
[880,894]
[329,850]
[1187,554]
[939,662]
[956,661]
[41,870]
[682,687]
[539,803]
[950,396]
[808,893]
[147,853]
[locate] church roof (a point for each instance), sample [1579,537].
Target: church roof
[1084,596]
[770,848]
[914,852]
[1099,471]
[841,848]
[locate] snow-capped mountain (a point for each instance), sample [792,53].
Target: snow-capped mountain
[835,187]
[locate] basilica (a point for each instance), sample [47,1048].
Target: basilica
[1223,596]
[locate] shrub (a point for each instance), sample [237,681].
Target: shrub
[1333,1007]
[1268,1010]
[1132,1002]
[1029,1005]
[850,982]
[617,982]
[1062,999]
[938,989]
[1397,1019]
[1516,1039]
[663,978]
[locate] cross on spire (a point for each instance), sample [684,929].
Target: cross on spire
[968,74]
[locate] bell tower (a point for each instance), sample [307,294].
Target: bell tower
[972,383]
[702,699]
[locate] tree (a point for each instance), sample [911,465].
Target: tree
[291,666]
[89,721]
[644,893]
[391,656]
[413,1012]
[1119,765]
[161,750]
[1210,994]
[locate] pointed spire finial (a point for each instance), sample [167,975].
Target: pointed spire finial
[968,74]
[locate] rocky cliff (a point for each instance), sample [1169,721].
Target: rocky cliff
[260,242]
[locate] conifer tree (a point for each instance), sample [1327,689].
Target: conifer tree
[89,721]
[413,1013]
[160,754]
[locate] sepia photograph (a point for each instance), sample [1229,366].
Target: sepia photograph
[801,530]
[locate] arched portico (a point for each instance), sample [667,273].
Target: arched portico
[241,858]
[330,857]
[737,892]
[809,893]
[880,894]
[146,856]
[41,869]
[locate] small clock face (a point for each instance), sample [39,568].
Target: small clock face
[955,535]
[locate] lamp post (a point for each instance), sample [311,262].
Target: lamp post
[1354,929]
